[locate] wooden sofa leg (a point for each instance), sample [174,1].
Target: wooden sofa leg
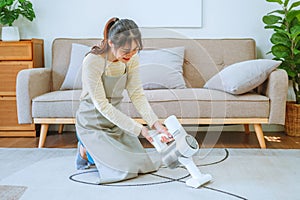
[43,135]
[60,128]
[260,135]
[247,130]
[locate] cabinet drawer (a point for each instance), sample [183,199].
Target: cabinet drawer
[8,75]
[8,115]
[21,50]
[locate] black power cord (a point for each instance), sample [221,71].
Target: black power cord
[168,179]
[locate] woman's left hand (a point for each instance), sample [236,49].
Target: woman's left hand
[162,129]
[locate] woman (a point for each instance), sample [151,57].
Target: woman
[107,137]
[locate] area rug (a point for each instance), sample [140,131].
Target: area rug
[237,174]
[10,192]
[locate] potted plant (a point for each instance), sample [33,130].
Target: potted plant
[285,22]
[10,10]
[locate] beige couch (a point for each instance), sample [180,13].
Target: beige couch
[40,101]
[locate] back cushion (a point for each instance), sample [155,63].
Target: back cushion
[61,52]
[203,57]
[206,57]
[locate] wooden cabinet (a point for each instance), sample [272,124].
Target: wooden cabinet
[15,56]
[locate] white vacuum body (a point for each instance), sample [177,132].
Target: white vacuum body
[180,151]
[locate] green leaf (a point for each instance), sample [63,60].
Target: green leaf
[271,19]
[296,4]
[297,42]
[295,22]
[9,16]
[284,66]
[283,31]
[281,51]
[288,68]
[275,1]
[6,3]
[280,38]
[291,15]
[295,31]
[296,51]
[277,11]
[297,59]
[291,73]
[273,27]
[27,10]
[286,2]
[11,9]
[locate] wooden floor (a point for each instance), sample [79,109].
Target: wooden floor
[210,139]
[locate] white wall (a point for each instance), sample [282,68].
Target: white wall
[86,19]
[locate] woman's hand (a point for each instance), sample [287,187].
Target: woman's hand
[145,133]
[162,129]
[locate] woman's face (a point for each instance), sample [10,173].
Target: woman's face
[125,53]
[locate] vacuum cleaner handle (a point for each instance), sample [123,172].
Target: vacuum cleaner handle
[157,140]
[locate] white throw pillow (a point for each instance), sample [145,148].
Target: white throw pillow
[73,76]
[242,77]
[162,68]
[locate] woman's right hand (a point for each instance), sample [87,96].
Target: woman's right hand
[145,133]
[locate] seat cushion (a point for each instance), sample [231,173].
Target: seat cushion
[202,103]
[61,104]
[184,103]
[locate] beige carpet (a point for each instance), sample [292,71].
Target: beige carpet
[237,173]
[9,192]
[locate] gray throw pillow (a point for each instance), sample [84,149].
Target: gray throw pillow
[242,77]
[73,77]
[162,68]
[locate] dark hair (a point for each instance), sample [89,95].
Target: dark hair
[120,32]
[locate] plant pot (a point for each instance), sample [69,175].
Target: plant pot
[10,33]
[292,119]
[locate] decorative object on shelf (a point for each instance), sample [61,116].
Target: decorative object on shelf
[10,10]
[286,47]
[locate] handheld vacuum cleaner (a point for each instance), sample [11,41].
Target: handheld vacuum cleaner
[179,151]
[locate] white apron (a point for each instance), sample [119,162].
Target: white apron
[117,155]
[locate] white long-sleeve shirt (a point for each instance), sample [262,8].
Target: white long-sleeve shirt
[92,69]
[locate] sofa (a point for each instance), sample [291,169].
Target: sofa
[41,99]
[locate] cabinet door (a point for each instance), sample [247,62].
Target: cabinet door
[8,116]
[21,50]
[8,75]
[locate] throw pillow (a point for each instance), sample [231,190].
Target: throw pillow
[242,77]
[73,76]
[162,68]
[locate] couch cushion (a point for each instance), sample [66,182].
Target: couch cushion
[203,57]
[61,53]
[202,103]
[73,77]
[156,65]
[243,76]
[187,103]
[56,104]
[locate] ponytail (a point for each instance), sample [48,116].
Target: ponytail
[103,47]
[108,25]
[119,32]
